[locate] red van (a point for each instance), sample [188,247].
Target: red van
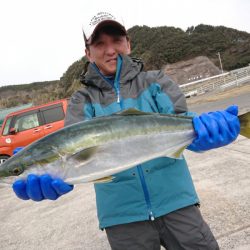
[25,126]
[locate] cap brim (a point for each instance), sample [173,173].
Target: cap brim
[103,24]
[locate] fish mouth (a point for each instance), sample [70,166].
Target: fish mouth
[7,181]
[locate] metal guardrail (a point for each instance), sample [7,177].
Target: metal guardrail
[220,82]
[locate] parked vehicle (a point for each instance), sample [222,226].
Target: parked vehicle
[22,127]
[6,111]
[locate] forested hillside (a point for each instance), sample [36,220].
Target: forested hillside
[36,93]
[158,46]
[163,45]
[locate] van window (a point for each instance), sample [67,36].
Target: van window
[26,122]
[53,114]
[7,126]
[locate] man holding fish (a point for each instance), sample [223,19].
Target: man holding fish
[154,203]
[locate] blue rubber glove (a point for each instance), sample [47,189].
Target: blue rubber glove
[38,188]
[215,129]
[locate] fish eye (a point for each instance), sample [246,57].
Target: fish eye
[17,171]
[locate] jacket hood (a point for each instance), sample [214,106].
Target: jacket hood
[131,67]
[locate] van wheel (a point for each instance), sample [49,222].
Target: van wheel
[3,158]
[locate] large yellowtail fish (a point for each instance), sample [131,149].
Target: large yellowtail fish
[97,149]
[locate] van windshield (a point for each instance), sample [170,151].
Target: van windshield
[7,126]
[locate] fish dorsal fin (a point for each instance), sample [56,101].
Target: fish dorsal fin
[133,111]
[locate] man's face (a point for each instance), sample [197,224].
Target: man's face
[104,51]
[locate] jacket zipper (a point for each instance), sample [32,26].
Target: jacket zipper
[118,95]
[117,78]
[116,86]
[146,193]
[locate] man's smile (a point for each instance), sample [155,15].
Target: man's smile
[112,60]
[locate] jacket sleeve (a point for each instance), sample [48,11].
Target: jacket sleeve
[79,108]
[166,93]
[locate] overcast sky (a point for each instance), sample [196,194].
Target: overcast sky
[40,39]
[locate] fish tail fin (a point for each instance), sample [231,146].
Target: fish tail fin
[245,124]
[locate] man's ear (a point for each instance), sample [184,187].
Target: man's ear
[129,46]
[87,53]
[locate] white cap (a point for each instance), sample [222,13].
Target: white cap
[98,21]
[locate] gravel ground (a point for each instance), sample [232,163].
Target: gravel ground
[221,177]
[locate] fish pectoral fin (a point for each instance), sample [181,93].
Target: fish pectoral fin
[132,111]
[106,179]
[179,152]
[84,154]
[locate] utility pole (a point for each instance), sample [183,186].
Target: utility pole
[218,54]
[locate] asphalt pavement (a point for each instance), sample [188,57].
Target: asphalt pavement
[221,178]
